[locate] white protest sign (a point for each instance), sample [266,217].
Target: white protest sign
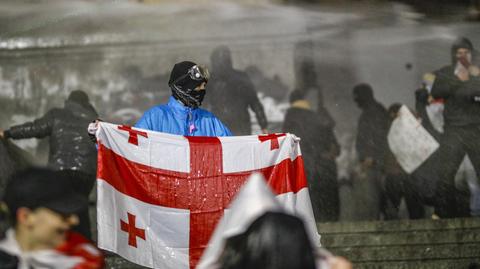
[409,141]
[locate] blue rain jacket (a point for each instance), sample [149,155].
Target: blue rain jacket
[175,118]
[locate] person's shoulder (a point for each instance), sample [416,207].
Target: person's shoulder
[7,260]
[151,115]
[240,73]
[299,110]
[158,109]
[243,76]
[56,111]
[375,109]
[381,108]
[445,69]
[300,114]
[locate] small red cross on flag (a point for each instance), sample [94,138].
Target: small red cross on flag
[273,138]
[133,232]
[133,134]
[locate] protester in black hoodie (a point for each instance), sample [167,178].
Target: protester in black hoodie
[71,150]
[371,145]
[459,85]
[232,93]
[319,149]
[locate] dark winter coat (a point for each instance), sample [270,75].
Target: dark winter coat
[317,139]
[371,141]
[229,94]
[319,150]
[460,108]
[70,145]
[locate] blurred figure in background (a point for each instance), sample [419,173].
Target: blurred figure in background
[271,86]
[232,93]
[71,150]
[474,10]
[319,150]
[276,240]
[371,146]
[43,207]
[329,150]
[459,85]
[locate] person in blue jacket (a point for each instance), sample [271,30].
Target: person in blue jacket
[182,114]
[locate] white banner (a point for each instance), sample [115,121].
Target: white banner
[409,141]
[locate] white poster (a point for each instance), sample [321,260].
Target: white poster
[409,141]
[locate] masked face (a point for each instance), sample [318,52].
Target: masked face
[189,88]
[199,93]
[464,56]
[189,97]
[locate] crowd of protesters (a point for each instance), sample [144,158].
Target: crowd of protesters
[447,105]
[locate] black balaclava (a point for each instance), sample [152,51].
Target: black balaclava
[363,95]
[461,43]
[184,89]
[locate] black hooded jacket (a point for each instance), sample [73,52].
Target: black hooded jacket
[231,93]
[70,145]
[460,107]
[373,124]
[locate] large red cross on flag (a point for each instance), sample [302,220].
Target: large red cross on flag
[160,198]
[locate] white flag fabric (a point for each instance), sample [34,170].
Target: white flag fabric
[160,196]
[409,141]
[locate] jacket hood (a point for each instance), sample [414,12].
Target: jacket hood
[461,43]
[82,110]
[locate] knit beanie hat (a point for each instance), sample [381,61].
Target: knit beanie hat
[180,69]
[461,43]
[183,86]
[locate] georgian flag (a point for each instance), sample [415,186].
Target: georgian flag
[160,196]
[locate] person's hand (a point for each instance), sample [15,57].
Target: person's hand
[337,262]
[474,70]
[93,127]
[2,135]
[463,74]
[92,130]
[430,99]
[296,138]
